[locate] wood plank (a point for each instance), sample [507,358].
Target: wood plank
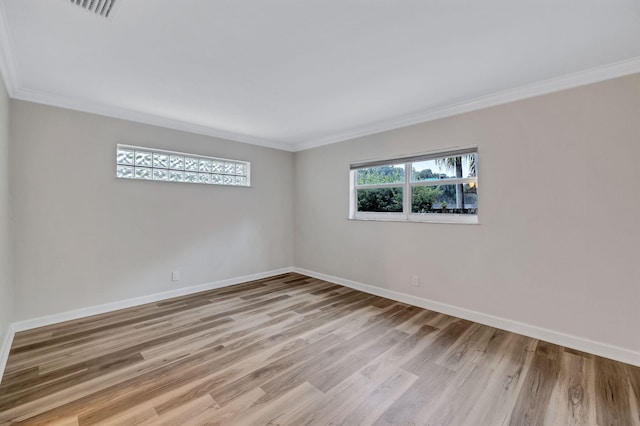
[611,393]
[538,386]
[571,402]
[297,350]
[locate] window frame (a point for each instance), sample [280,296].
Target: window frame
[407,215]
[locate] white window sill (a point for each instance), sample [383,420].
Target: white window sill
[418,218]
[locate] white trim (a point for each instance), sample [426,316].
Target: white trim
[8,67]
[60,101]
[123,304]
[380,185]
[152,298]
[444,181]
[445,218]
[586,345]
[427,182]
[575,342]
[551,85]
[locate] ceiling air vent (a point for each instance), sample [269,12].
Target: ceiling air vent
[103,8]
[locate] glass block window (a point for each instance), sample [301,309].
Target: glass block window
[134,162]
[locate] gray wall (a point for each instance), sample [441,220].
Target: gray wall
[6,302]
[558,242]
[556,247]
[83,237]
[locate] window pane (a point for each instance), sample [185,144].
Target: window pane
[443,168]
[229,169]
[143,158]
[160,160]
[380,200]
[204,166]
[382,174]
[191,164]
[204,178]
[177,162]
[125,172]
[143,173]
[160,174]
[458,199]
[217,167]
[125,156]
[176,176]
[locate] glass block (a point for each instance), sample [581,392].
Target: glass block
[191,164]
[176,162]
[125,172]
[125,156]
[160,161]
[229,168]
[143,158]
[216,179]
[228,180]
[241,180]
[191,177]
[204,178]
[204,166]
[176,176]
[241,169]
[143,173]
[217,167]
[160,174]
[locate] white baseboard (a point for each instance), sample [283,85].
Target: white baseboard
[586,345]
[597,348]
[123,304]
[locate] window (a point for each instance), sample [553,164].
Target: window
[435,187]
[133,162]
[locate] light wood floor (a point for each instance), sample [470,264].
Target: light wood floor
[293,350]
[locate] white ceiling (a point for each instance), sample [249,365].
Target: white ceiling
[293,74]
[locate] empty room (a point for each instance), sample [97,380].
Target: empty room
[218,212]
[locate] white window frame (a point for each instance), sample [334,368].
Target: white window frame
[406,215]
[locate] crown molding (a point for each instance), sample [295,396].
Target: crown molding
[56,100]
[564,82]
[16,90]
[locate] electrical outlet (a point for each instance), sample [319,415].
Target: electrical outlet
[415,281]
[175,276]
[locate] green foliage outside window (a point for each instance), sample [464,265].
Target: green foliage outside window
[384,200]
[384,174]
